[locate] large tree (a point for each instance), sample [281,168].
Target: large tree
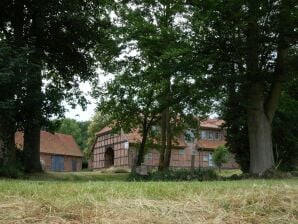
[247,43]
[64,39]
[154,80]
[284,125]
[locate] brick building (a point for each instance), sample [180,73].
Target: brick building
[119,149]
[58,152]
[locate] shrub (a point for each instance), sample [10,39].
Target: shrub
[12,171]
[176,175]
[220,156]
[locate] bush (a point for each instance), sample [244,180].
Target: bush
[176,175]
[15,170]
[220,156]
[12,171]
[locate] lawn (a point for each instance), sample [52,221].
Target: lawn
[88,197]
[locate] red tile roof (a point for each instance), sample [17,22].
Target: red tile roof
[58,144]
[212,123]
[135,137]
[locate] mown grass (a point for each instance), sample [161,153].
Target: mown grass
[59,199]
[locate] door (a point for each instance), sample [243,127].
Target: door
[57,163]
[74,165]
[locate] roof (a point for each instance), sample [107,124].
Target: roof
[104,130]
[212,123]
[58,144]
[135,136]
[210,144]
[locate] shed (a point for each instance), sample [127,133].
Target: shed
[58,152]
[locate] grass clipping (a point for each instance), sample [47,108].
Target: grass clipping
[253,201]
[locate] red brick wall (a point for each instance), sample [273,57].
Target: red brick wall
[179,160]
[46,160]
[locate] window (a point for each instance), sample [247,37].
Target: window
[126,145]
[217,135]
[148,156]
[210,135]
[181,152]
[189,135]
[203,134]
[206,158]
[210,162]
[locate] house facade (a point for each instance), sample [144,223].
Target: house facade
[58,152]
[119,149]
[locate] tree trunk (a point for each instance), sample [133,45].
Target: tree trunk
[32,126]
[141,152]
[163,140]
[32,149]
[259,132]
[7,143]
[169,143]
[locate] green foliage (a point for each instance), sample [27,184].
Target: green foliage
[156,77]
[63,45]
[177,175]
[220,156]
[285,129]
[98,122]
[11,171]
[14,170]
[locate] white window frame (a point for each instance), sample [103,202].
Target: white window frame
[210,160]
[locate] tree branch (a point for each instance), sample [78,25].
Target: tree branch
[279,77]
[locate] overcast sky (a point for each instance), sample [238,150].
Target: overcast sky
[78,113]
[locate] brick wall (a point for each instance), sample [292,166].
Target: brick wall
[181,158]
[46,160]
[123,157]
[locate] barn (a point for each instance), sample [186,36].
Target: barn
[119,149]
[58,152]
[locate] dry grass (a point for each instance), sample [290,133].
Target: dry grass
[246,201]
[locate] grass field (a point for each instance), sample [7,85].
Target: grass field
[88,197]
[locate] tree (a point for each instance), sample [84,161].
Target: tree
[283,125]
[220,156]
[249,48]
[98,122]
[154,83]
[64,40]
[71,127]
[8,90]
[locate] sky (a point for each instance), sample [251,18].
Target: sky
[77,113]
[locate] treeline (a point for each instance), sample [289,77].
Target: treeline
[172,61]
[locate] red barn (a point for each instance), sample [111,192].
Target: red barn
[58,152]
